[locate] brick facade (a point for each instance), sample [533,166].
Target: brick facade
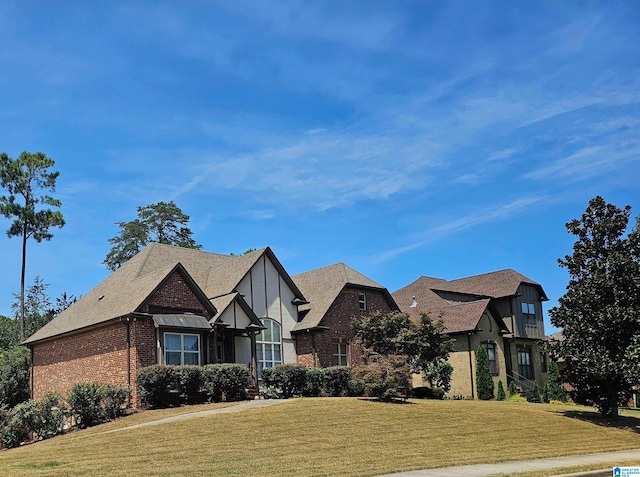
[338,319]
[175,294]
[99,354]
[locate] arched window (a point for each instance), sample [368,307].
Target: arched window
[493,361]
[268,346]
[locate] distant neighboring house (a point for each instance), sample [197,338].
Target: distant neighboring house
[175,306]
[500,310]
[336,294]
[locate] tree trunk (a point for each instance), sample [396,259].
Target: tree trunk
[24,268]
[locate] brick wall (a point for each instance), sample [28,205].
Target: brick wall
[97,356]
[339,318]
[175,294]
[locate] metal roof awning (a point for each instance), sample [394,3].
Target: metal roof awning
[183,320]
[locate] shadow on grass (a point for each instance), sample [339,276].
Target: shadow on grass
[384,401]
[624,422]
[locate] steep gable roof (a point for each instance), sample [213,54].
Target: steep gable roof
[123,291]
[323,285]
[456,316]
[502,283]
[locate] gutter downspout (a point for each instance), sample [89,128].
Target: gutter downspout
[313,348]
[32,368]
[473,395]
[128,320]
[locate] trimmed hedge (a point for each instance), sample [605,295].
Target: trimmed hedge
[314,382]
[289,379]
[336,380]
[92,404]
[189,380]
[226,381]
[158,385]
[425,392]
[32,420]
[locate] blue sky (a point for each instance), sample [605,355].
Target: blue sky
[402,138]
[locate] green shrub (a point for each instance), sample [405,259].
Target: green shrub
[227,380]
[31,420]
[355,387]
[92,404]
[533,395]
[314,382]
[336,380]
[189,379]
[385,378]
[501,394]
[484,380]
[425,392]
[439,374]
[290,379]
[516,398]
[512,389]
[157,385]
[556,388]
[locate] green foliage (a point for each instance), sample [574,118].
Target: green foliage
[439,374]
[385,378]
[533,395]
[600,312]
[14,376]
[425,392]
[395,334]
[156,385]
[512,389]
[190,381]
[9,333]
[355,387]
[93,404]
[484,381]
[545,392]
[554,382]
[314,382]
[501,394]
[229,381]
[32,420]
[163,222]
[288,378]
[28,180]
[336,380]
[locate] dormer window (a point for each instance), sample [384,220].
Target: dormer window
[362,301]
[529,313]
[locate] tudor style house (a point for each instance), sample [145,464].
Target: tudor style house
[171,305]
[501,311]
[336,294]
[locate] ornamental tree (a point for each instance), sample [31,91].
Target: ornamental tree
[163,222]
[484,380]
[27,180]
[600,312]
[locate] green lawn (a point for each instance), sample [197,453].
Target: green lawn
[337,436]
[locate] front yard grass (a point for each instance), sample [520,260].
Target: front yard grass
[332,436]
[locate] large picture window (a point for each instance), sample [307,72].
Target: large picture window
[491,352]
[181,348]
[268,346]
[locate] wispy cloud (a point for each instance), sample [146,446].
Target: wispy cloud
[486,215]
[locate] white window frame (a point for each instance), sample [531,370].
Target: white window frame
[340,358]
[262,346]
[182,351]
[362,301]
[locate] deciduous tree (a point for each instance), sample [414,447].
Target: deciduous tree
[600,312]
[163,222]
[26,180]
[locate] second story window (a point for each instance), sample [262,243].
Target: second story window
[529,313]
[362,301]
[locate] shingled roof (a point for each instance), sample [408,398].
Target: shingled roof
[501,283]
[126,289]
[474,295]
[456,317]
[323,285]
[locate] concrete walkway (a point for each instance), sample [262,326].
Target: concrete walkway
[181,417]
[610,459]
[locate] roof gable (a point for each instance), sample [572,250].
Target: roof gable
[322,287]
